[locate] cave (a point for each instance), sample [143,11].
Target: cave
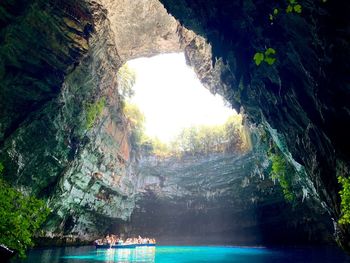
[65,139]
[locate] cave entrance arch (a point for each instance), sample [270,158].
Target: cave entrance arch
[207,209]
[244,220]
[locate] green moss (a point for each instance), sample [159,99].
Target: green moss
[283,172]
[345,200]
[92,111]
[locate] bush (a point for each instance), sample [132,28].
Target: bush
[283,172]
[345,200]
[20,217]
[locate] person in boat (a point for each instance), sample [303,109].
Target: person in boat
[98,242]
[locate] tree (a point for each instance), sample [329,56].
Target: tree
[234,134]
[20,217]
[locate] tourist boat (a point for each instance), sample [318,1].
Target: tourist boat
[124,246]
[104,246]
[146,245]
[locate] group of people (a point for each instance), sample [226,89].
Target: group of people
[116,240]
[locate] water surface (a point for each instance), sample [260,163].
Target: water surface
[187,254]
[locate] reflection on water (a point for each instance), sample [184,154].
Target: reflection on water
[186,254]
[139,254]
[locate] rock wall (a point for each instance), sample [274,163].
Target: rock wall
[59,60]
[54,153]
[302,99]
[220,199]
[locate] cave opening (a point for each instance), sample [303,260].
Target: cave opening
[171,97]
[184,137]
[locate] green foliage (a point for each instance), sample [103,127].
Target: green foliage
[206,139]
[283,172]
[92,111]
[195,140]
[157,147]
[1,168]
[274,14]
[126,80]
[20,218]
[136,120]
[267,56]
[345,200]
[201,140]
[293,6]
[258,58]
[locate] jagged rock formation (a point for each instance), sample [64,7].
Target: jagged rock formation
[59,60]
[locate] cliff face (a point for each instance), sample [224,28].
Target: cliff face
[304,95]
[54,152]
[63,136]
[59,62]
[220,199]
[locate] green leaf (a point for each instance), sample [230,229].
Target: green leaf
[258,58]
[292,2]
[270,17]
[289,9]
[275,11]
[270,51]
[269,60]
[297,8]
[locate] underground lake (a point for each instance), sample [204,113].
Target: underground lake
[186,254]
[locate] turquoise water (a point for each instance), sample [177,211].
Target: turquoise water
[186,254]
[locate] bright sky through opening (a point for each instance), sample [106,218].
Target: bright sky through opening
[171,97]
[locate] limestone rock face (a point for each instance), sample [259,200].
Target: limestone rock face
[143,28]
[61,59]
[55,154]
[220,198]
[303,98]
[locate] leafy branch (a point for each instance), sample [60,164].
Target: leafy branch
[267,57]
[20,217]
[345,200]
[293,6]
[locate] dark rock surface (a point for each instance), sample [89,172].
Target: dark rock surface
[304,95]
